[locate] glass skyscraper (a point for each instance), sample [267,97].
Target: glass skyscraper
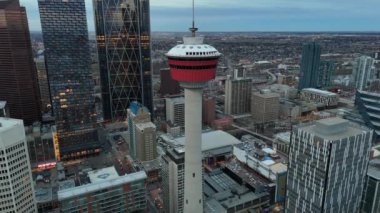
[67,56]
[123,38]
[18,76]
[311,56]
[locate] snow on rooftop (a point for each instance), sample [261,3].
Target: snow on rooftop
[193,51]
[100,185]
[213,140]
[318,91]
[103,174]
[193,47]
[268,151]
[145,125]
[268,162]
[8,123]
[283,136]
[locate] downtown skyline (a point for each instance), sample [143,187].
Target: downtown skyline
[243,15]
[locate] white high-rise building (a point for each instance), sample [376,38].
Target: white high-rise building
[364,71]
[175,111]
[173,175]
[16,188]
[327,166]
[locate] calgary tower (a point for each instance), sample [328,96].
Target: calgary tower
[193,64]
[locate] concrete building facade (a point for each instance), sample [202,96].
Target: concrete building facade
[106,192]
[371,193]
[328,99]
[146,147]
[175,111]
[137,114]
[173,175]
[265,107]
[237,95]
[327,166]
[364,72]
[16,182]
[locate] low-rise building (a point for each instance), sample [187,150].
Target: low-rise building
[225,194]
[328,99]
[268,164]
[40,140]
[103,191]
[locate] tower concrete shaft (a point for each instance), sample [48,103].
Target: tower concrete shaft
[193,155]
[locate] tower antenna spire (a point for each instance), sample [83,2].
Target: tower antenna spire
[193,29]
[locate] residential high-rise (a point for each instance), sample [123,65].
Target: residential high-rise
[68,59]
[168,86]
[371,193]
[173,175]
[325,71]
[237,95]
[138,114]
[43,83]
[368,105]
[265,107]
[146,147]
[327,166]
[175,111]
[16,183]
[364,72]
[193,64]
[311,55]
[123,37]
[18,77]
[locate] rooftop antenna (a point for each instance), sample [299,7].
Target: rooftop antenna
[193,29]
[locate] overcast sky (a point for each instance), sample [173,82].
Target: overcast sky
[251,15]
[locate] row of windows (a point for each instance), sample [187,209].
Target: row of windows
[15,147]
[201,53]
[204,67]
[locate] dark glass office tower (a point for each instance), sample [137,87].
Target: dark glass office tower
[311,55]
[68,60]
[123,36]
[18,76]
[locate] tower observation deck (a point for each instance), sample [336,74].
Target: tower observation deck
[193,64]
